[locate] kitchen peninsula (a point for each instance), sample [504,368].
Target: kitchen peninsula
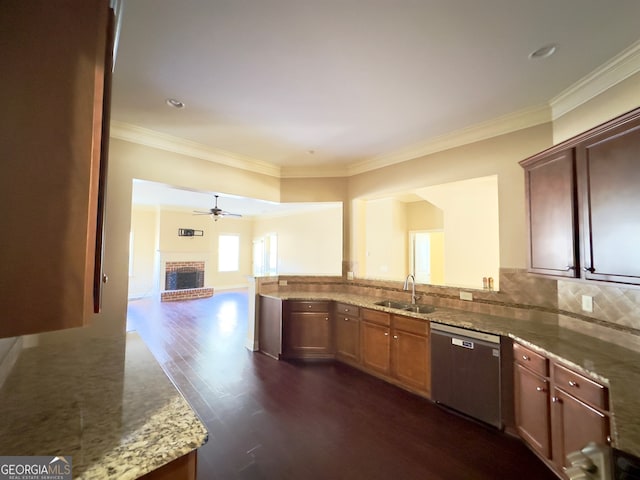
[106,402]
[615,367]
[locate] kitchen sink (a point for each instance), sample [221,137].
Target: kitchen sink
[392,304]
[407,307]
[420,308]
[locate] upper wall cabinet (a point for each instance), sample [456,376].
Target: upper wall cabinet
[56,59]
[582,198]
[550,190]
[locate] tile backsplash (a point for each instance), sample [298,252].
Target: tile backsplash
[615,316]
[616,305]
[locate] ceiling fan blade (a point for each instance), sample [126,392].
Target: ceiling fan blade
[229,214]
[199,212]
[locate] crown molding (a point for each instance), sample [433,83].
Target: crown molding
[162,141]
[315,171]
[619,68]
[481,131]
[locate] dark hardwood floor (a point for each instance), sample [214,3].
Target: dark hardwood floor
[271,419]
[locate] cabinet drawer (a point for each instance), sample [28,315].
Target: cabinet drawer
[310,306]
[346,309]
[412,325]
[376,316]
[533,361]
[581,387]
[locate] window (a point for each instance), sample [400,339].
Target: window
[265,255]
[228,253]
[131,247]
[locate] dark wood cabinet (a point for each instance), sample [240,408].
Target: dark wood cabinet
[551,211]
[393,347]
[347,333]
[558,410]
[397,347]
[56,60]
[532,409]
[574,425]
[580,198]
[609,193]
[182,468]
[270,326]
[375,341]
[410,356]
[306,330]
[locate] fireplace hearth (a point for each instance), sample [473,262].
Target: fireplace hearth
[184,281]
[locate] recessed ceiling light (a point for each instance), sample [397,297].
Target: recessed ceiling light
[543,52]
[172,102]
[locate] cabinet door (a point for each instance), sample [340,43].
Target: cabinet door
[347,338]
[609,190]
[532,409]
[550,192]
[574,425]
[270,326]
[410,354]
[375,347]
[53,62]
[307,334]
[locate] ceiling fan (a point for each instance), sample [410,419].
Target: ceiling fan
[216,212]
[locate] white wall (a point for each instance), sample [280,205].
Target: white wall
[385,239]
[471,230]
[309,243]
[144,228]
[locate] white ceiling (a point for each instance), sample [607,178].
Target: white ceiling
[350,80]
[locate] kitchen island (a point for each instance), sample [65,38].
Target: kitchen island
[104,401]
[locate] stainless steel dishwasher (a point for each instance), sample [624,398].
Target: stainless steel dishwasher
[465,372]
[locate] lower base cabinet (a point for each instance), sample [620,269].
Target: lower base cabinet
[397,347]
[558,410]
[347,333]
[574,425]
[182,468]
[376,341]
[533,410]
[306,330]
[410,352]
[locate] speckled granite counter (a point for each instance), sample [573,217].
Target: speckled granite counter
[614,366]
[104,401]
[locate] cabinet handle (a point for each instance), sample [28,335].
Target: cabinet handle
[395,336]
[105,278]
[386,334]
[541,389]
[525,358]
[589,269]
[326,318]
[346,310]
[570,267]
[573,384]
[308,306]
[346,319]
[556,400]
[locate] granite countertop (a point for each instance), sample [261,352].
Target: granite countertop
[616,367]
[104,401]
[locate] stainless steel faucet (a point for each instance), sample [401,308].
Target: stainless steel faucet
[413,288]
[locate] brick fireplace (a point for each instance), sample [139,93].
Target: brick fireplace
[184,281]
